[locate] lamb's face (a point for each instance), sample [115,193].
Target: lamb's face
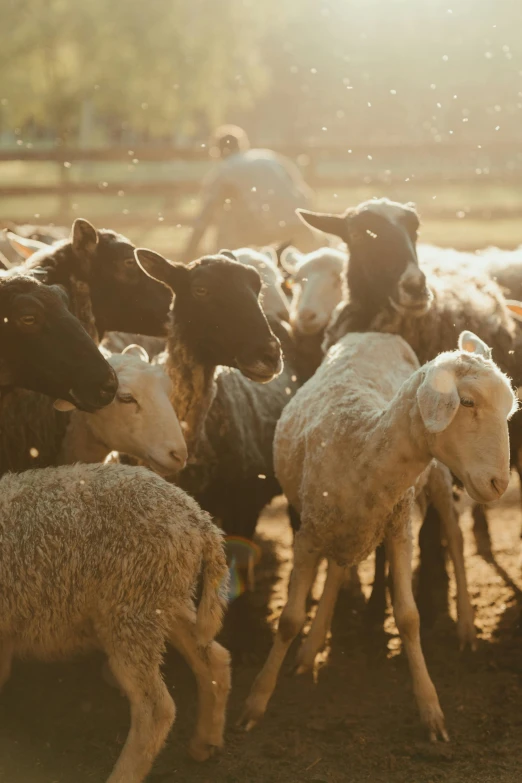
[141,420]
[317,289]
[465,402]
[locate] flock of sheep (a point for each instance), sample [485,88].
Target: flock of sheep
[355,380]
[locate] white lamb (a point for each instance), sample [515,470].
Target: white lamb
[107,557]
[140,421]
[384,429]
[317,286]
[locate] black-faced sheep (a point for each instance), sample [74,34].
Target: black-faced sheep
[44,348]
[107,557]
[229,419]
[122,298]
[384,429]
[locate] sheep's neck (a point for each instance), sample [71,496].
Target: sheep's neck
[79,443]
[193,389]
[397,450]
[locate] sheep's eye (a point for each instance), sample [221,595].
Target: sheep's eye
[200,291]
[28,320]
[466,402]
[130,262]
[126,398]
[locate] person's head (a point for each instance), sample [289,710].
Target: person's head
[229,140]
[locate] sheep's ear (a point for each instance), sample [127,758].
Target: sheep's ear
[515,308]
[290,259]
[24,247]
[63,405]
[227,254]
[154,265]
[438,399]
[270,253]
[137,350]
[470,343]
[323,221]
[84,236]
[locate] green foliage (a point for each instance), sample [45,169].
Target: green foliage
[150,63]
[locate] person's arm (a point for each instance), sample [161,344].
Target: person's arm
[211,191]
[296,178]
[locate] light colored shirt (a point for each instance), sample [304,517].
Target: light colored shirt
[251,197]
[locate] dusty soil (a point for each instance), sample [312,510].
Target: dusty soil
[60,723]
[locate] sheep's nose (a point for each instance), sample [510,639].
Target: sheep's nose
[179,459]
[272,352]
[415,287]
[499,485]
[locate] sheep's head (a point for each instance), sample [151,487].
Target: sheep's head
[317,287]
[45,349]
[274,301]
[141,421]
[381,236]
[217,312]
[123,298]
[465,402]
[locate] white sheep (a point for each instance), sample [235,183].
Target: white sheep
[107,557]
[275,303]
[140,421]
[317,286]
[348,451]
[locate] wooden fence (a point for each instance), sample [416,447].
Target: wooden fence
[381,166]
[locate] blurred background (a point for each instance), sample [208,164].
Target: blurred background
[106,108]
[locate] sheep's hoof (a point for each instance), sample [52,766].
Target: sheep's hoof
[200,750]
[250,717]
[467,636]
[433,718]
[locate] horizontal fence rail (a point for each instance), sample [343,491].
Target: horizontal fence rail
[325,168]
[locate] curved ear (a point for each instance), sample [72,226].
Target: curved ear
[290,259]
[137,350]
[270,253]
[24,247]
[438,399]
[323,221]
[470,343]
[84,236]
[227,254]
[515,308]
[63,405]
[154,265]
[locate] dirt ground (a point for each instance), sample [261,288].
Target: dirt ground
[60,723]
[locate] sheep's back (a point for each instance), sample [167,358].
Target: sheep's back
[330,418]
[83,543]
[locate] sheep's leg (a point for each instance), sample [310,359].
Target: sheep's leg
[306,558]
[6,658]
[481,531]
[211,667]
[399,551]
[376,607]
[441,492]
[316,638]
[152,713]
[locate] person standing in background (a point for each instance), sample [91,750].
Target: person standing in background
[251,197]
